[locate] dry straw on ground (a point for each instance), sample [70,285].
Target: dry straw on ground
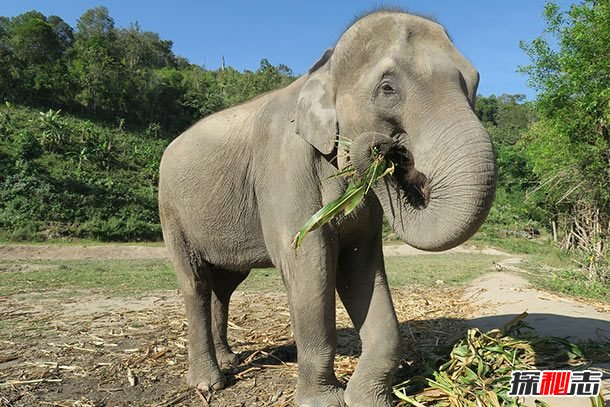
[68,350]
[84,349]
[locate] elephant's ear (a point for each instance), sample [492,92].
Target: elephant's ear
[316,120]
[470,76]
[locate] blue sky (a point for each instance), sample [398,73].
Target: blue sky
[487,32]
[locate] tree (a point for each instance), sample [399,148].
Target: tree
[34,51]
[63,32]
[105,71]
[507,118]
[96,63]
[487,109]
[6,90]
[144,49]
[569,147]
[99,76]
[95,23]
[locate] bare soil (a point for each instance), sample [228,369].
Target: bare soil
[81,252]
[134,252]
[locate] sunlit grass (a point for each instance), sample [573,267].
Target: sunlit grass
[142,277]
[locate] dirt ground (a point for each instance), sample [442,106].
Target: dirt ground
[81,252]
[91,350]
[133,252]
[88,349]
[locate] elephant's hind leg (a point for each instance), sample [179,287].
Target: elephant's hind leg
[195,281]
[224,283]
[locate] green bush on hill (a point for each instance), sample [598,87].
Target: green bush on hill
[66,177]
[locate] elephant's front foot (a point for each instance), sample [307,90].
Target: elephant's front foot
[320,396]
[226,358]
[205,378]
[357,395]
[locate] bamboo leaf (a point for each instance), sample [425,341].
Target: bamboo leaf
[328,212]
[355,201]
[347,171]
[356,190]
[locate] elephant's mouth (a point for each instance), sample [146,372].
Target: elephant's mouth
[431,202]
[412,185]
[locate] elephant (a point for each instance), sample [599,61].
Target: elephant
[236,187]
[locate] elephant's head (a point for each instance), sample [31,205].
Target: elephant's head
[396,81]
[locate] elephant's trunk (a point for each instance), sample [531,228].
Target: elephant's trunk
[443,185]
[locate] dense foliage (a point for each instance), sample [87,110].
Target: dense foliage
[569,147]
[102,71]
[506,118]
[86,114]
[62,176]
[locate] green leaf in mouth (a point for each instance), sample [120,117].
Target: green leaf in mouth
[357,188]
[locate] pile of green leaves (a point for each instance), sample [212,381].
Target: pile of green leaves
[357,188]
[479,367]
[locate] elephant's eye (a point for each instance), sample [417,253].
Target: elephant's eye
[387,88]
[386,93]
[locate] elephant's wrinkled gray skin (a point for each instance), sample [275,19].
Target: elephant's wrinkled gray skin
[236,187]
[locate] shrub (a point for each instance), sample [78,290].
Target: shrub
[53,130]
[27,146]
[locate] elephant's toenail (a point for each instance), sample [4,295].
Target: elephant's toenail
[203,386]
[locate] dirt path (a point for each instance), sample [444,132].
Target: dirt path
[135,252]
[81,252]
[501,296]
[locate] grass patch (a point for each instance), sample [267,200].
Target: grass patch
[574,283]
[263,280]
[551,269]
[140,277]
[517,245]
[120,277]
[117,277]
[451,268]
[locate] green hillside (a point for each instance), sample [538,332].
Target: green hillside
[64,176]
[85,115]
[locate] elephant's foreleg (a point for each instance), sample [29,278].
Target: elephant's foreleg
[194,279]
[310,280]
[363,288]
[224,282]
